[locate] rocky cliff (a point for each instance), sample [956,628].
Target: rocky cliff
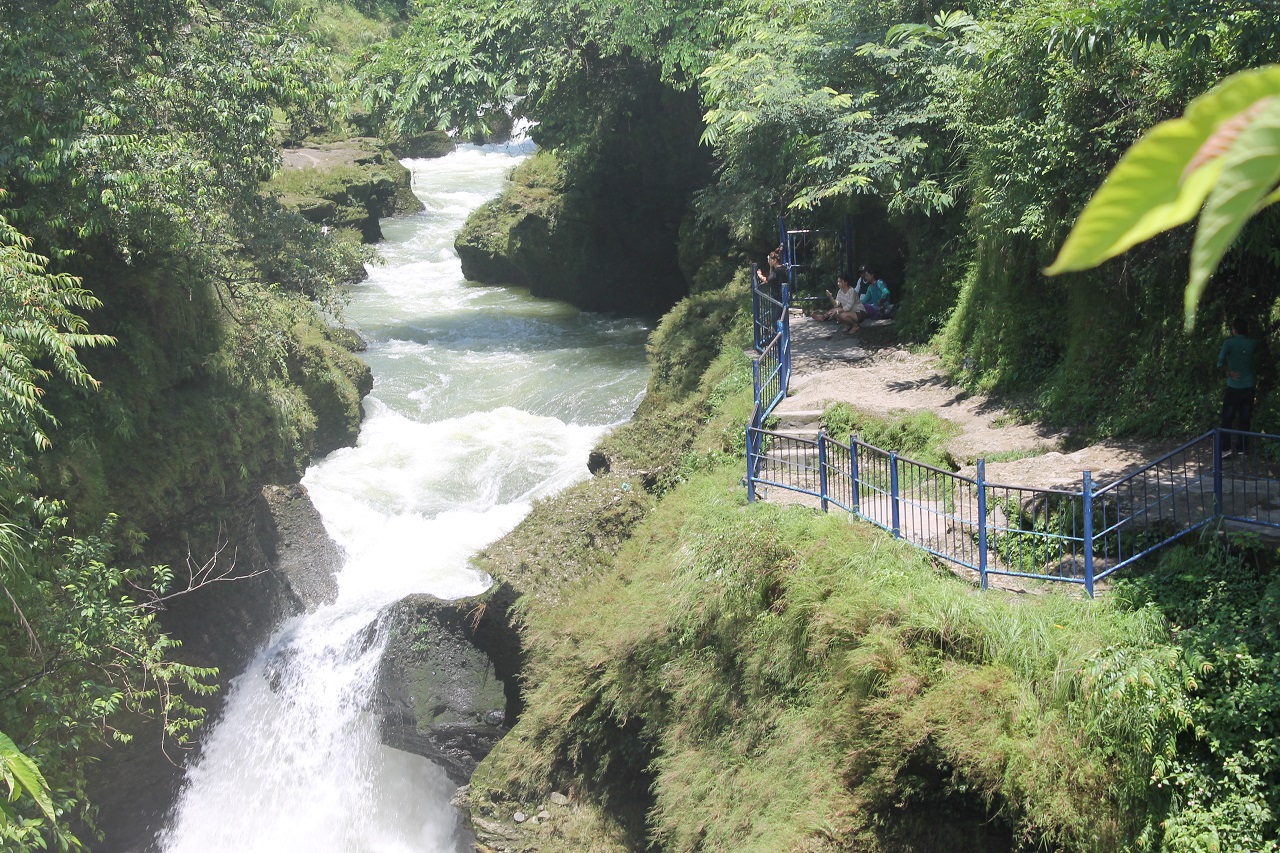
[265,560]
[597,224]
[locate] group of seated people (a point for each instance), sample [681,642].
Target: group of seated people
[851,305]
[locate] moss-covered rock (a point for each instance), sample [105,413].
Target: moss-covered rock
[598,223]
[334,381]
[449,678]
[508,239]
[434,143]
[348,184]
[498,127]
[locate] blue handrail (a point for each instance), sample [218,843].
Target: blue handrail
[1078,536]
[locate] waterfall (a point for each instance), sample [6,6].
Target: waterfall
[484,400]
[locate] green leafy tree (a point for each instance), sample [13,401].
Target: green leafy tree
[134,138]
[459,62]
[78,638]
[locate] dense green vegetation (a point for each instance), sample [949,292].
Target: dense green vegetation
[161,351]
[721,676]
[161,354]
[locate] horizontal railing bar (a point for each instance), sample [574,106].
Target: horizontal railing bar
[1255,521]
[763,482]
[1033,489]
[808,442]
[767,298]
[1151,549]
[1154,463]
[902,460]
[1226,431]
[1030,576]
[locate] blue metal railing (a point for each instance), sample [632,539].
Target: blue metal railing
[771,322]
[1074,536]
[770,370]
[810,252]
[768,311]
[1078,536]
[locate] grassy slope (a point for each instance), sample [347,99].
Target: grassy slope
[725,676]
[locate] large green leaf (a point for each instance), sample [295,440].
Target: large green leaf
[1250,171]
[1151,189]
[22,774]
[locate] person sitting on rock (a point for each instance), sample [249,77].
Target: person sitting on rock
[845,307]
[875,295]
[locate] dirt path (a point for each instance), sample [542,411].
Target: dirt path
[876,377]
[882,378]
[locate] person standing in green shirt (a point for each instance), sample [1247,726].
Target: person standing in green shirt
[1236,357]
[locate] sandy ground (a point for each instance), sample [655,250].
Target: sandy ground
[879,379]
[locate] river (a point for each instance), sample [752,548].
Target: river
[484,400]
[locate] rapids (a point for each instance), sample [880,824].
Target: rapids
[484,400]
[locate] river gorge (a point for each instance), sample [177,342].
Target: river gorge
[484,401]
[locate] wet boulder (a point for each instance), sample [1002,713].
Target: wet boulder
[448,686]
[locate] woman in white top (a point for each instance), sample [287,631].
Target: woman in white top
[846,307]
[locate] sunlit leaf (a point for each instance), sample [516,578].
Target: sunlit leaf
[23,775]
[1151,190]
[1250,171]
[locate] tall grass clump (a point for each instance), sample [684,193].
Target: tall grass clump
[920,436]
[758,678]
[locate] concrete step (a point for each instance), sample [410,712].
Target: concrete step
[799,419]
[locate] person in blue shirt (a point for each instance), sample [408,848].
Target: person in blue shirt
[1236,358]
[875,294]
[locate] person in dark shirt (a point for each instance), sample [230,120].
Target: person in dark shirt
[777,274]
[1236,358]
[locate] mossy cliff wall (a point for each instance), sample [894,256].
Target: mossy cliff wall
[185,422]
[597,224]
[213,398]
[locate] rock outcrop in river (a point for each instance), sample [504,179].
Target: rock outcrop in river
[348,184]
[449,683]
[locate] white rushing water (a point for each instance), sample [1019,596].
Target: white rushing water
[484,400]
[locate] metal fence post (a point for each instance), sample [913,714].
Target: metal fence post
[982,522]
[1217,471]
[755,307]
[779,320]
[893,490]
[751,473]
[853,470]
[822,467]
[784,319]
[1088,533]
[755,381]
